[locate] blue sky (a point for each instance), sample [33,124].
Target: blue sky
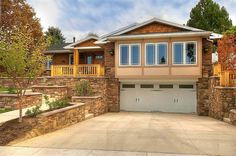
[79,17]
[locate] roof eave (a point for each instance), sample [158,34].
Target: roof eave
[126,37]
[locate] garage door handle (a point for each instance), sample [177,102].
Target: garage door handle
[156,90]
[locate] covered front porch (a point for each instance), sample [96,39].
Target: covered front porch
[83,58]
[81,64]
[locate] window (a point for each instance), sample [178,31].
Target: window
[156,54]
[166,86]
[186,86]
[128,86]
[71,59]
[124,55]
[48,64]
[99,57]
[184,53]
[129,54]
[146,86]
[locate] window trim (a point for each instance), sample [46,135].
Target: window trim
[129,52]
[155,59]
[184,53]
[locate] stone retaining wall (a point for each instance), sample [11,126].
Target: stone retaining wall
[93,104]
[56,92]
[221,99]
[13,132]
[232,116]
[12,101]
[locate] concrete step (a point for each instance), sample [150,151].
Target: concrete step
[227,120]
[88,116]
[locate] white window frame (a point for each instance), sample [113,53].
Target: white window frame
[48,62]
[156,61]
[70,59]
[129,52]
[184,53]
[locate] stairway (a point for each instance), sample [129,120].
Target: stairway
[88,115]
[232,117]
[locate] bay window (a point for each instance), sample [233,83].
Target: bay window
[184,53]
[129,54]
[156,53]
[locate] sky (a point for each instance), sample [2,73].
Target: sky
[76,18]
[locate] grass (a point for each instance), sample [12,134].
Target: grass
[7,90]
[4,110]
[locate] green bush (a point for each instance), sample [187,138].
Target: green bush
[83,88]
[60,103]
[34,111]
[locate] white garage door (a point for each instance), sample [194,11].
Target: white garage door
[158,97]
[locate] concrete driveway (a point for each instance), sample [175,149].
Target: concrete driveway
[144,132]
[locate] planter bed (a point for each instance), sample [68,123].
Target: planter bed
[12,101]
[12,131]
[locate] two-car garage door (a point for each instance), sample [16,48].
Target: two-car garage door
[171,97]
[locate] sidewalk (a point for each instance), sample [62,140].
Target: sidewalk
[26,151]
[15,114]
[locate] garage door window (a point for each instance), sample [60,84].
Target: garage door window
[166,86]
[186,86]
[146,86]
[128,86]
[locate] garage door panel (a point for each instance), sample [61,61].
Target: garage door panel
[155,99]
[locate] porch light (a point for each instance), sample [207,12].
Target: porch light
[206,48]
[111,52]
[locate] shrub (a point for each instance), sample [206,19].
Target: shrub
[34,111]
[61,103]
[83,88]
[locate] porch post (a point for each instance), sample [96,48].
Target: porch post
[76,61]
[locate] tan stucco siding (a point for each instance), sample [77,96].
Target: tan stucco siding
[164,71]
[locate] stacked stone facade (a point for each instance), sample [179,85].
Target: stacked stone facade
[56,92]
[203,83]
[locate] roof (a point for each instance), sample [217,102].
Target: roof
[71,46]
[57,48]
[133,26]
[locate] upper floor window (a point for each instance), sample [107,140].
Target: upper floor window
[156,54]
[184,52]
[129,54]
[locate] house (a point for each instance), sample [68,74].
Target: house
[160,65]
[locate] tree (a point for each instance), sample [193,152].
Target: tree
[20,62]
[232,30]
[55,35]
[208,15]
[17,14]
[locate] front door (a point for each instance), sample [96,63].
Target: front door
[90,59]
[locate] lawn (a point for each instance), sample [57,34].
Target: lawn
[7,90]
[4,110]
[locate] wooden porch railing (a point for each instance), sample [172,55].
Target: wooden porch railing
[227,78]
[79,70]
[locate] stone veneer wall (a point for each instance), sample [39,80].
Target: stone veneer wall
[203,83]
[221,99]
[232,116]
[56,92]
[12,101]
[93,104]
[42,124]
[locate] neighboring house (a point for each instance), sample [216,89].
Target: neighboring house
[158,64]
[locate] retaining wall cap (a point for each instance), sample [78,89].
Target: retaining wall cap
[60,110]
[86,97]
[220,87]
[54,86]
[233,111]
[15,95]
